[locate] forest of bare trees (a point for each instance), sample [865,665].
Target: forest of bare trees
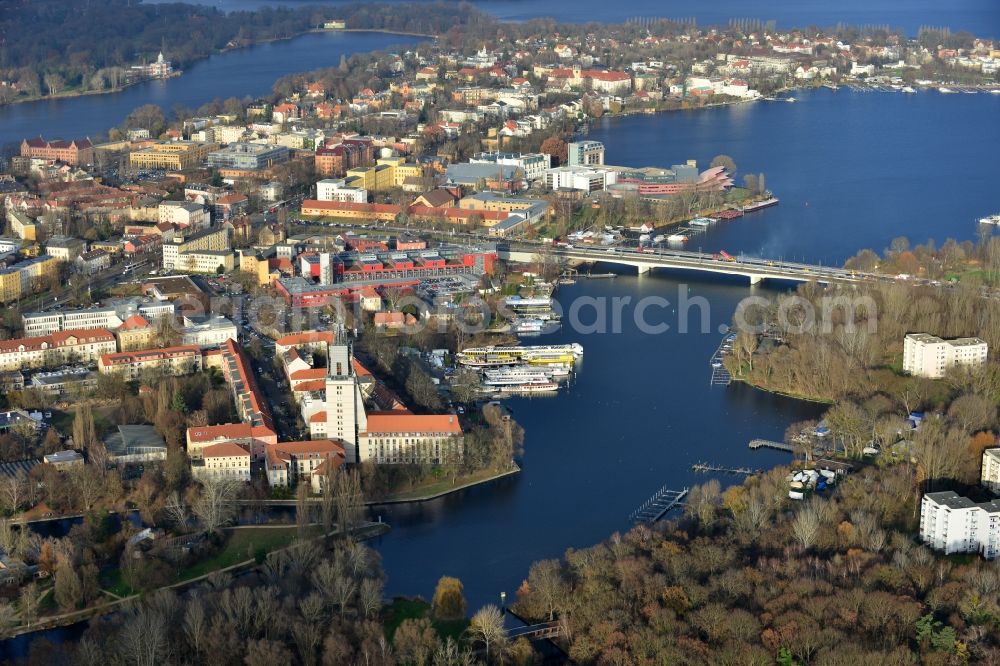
[745,578]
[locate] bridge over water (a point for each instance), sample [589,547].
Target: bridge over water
[755,269]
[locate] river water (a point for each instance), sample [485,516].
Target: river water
[852,170]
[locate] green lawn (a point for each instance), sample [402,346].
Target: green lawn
[243,544]
[438,486]
[412,609]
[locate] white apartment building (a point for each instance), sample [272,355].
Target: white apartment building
[225,461]
[209,333]
[926,355]
[65,248]
[336,189]
[954,524]
[533,165]
[579,178]
[111,317]
[585,153]
[184,214]
[990,475]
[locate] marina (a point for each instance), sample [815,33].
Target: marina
[720,375]
[706,468]
[658,505]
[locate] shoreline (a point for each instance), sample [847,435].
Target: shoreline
[222,51]
[783,394]
[401,498]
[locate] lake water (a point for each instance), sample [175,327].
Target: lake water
[852,170]
[249,71]
[982,17]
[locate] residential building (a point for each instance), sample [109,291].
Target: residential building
[214,239]
[926,355]
[93,261]
[27,276]
[248,156]
[533,165]
[184,214]
[209,333]
[336,189]
[254,439]
[72,381]
[226,461]
[180,360]
[579,178]
[111,316]
[288,463]
[135,333]
[401,437]
[65,248]
[78,346]
[206,261]
[951,523]
[990,474]
[585,153]
[78,152]
[171,155]
[22,226]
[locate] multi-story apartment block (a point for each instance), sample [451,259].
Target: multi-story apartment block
[184,214]
[585,153]
[336,189]
[533,165]
[111,316]
[954,524]
[78,346]
[990,474]
[254,439]
[180,360]
[926,355]
[27,276]
[215,239]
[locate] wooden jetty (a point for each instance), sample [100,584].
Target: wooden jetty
[658,505]
[769,444]
[708,467]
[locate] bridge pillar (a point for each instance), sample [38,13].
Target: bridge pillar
[643,268]
[756,279]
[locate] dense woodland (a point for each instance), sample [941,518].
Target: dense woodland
[747,578]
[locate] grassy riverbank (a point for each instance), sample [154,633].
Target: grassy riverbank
[441,487]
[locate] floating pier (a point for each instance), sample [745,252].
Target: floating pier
[720,376]
[769,444]
[708,467]
[658,505]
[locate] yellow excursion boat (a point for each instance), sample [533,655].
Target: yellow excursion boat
[492,356]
